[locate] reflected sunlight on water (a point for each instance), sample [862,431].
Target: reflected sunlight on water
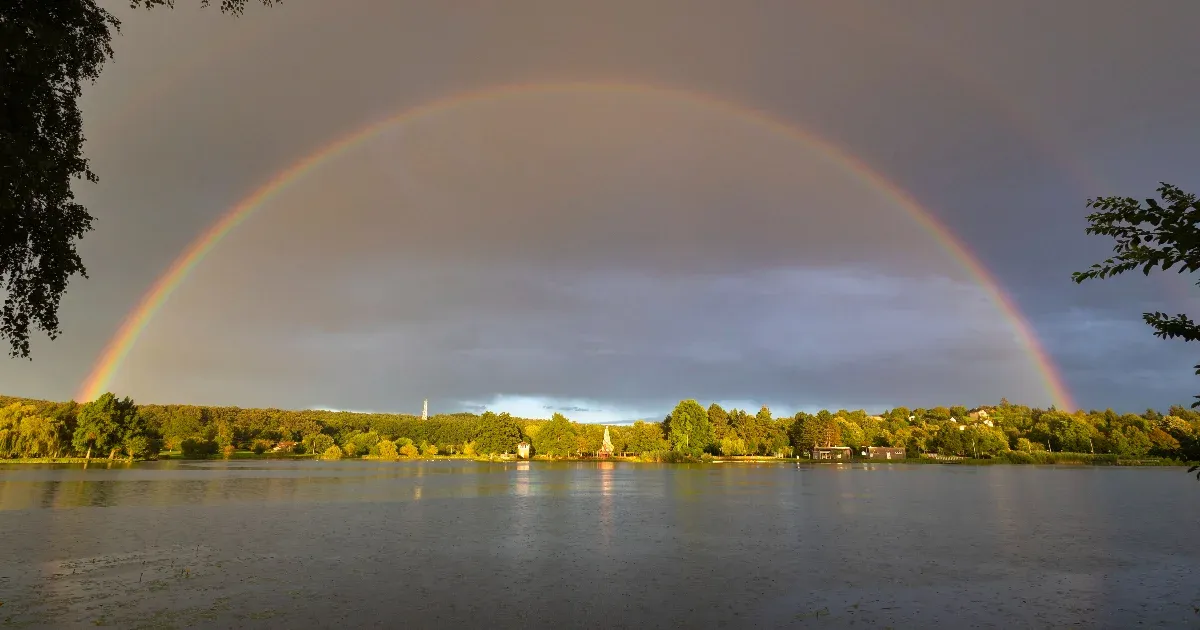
[452,542]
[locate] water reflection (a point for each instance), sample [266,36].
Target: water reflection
[521,480]
[743,545]
[606,503]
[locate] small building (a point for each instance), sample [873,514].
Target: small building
[832,452]
[523,450]
[884,452]
[606,448]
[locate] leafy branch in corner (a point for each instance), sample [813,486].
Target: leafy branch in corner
[1154,235]
[48,48]
[235,7]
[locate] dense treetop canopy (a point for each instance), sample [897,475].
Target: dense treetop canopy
[110,426]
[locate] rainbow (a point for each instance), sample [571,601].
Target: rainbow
[118,348]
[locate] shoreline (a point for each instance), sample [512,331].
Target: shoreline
[1045,459]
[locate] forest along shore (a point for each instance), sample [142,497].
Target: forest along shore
[112,429]
[1011,458]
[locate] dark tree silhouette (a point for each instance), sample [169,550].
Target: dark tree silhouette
[48,48]
[1156,234]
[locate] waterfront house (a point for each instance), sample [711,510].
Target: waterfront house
[832,452]
[523,450]
[884,452]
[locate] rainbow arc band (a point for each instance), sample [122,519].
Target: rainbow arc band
[118,348]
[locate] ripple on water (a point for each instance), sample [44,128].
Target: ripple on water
[433,543]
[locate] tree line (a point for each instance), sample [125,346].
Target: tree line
[118,428]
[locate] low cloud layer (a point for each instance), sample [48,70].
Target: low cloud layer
[792,337]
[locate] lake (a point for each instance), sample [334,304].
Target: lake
[257,543]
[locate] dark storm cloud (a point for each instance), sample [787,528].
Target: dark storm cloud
[613,253]
[804,336]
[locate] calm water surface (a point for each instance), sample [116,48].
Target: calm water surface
[429,544]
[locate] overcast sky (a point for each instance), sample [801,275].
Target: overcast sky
[608,253]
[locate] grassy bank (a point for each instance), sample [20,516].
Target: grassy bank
[59,460]
[670,457]
[1020,458]
[236,455]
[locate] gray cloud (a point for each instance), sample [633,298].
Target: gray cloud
[797,336]
[616,251]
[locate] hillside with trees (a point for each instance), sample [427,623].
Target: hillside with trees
[115,428]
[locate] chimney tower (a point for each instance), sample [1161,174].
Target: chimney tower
[425,410]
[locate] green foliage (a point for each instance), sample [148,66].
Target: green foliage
[821,429]
[359,443]
[983,441]
[497,433]
[26,432]
[643,437]
[674,456]
[333,452]
[1046,457]
[588,438]
[177,424]
[800,433]
[109,424]
[1153,235]
[1066,432]
[718,418]
[31,428]
[556,438]
[196,449]
[687,427]
[137,439]
[1162,443]
[236,7]
[317,443]
[49,50]
[948,440]
[1020,457]
[852,434]
[387,450]
[731,447]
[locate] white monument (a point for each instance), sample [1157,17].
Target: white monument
[606,448]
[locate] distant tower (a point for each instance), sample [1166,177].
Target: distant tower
[425,410]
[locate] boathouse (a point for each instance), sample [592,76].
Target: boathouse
[832,452]
[884,452]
